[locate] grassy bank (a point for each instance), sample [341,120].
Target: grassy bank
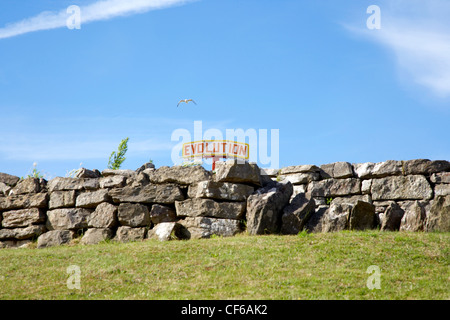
[306,266]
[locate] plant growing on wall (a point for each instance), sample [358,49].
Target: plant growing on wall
[117,158]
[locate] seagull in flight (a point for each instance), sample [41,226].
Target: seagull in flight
[186,101]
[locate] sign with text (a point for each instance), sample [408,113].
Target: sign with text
[215,149]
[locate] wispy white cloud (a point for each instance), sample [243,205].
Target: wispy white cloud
[99,10]
[418,34]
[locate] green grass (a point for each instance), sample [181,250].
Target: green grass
[306,266]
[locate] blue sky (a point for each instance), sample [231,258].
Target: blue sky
[336,90]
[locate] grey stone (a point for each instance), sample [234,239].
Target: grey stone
[269,172]
[152,193]
[4,189]
[336,217]
[104,216]
[209,208]
[441,190]
[439,215]
[296,214]
[335,187]
[391,217]
[62,199]
[54,238]
[378,170]
[337,170]
[120,172]
[86,173]
[352,199]
[160,214]
[425,166]
[22,218]
[315,223]
[133,215]
[112,182]
[34,200]
[366,186]
[8,179]
[148,165]
[91,199]
[413,187]
[22,233]
[166,231]
[220,190]
[300,178]
[300,188]
[96,235]
[441,177]
[299,169]
[362,216]
[64,184]
[205,227]
[237,172]
[265,208]
[180,175]
[15,244]
[414,216]
[26,186]
[127,234]
[67,218]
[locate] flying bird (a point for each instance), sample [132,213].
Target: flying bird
[186,101]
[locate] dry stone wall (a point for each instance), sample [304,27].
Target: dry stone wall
[191,202]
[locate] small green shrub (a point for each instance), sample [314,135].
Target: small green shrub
[117,158]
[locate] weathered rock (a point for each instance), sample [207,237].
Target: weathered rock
[296,214]
[166,231]
[205,227]
[352,200]
[337,170]
[299,169]
[67,218]
[425,166]
[366,185]
[336,217]
[362,216]
[441,190]
[391,217]
[152,193]
[22,218]
[269,172]
[91,199]
[439,215]
[62,199]
[126,234]
[15,244]
[300,178]
[34,200]
[265,208]
[120,172]
[414,216]
[9,179]
[378,170]
[104,216]
[26,186]
[86,173]
[133,215]
[96,235]
[237,172]
[64,184]
[220,190]
[315,222]
[148,165]
[413,187]
[4,189]
[209,208]
[160,214]
[335,187]
[180,175]
[441,177]
[22,233]
[55,238]
[300,188]
[112,182]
